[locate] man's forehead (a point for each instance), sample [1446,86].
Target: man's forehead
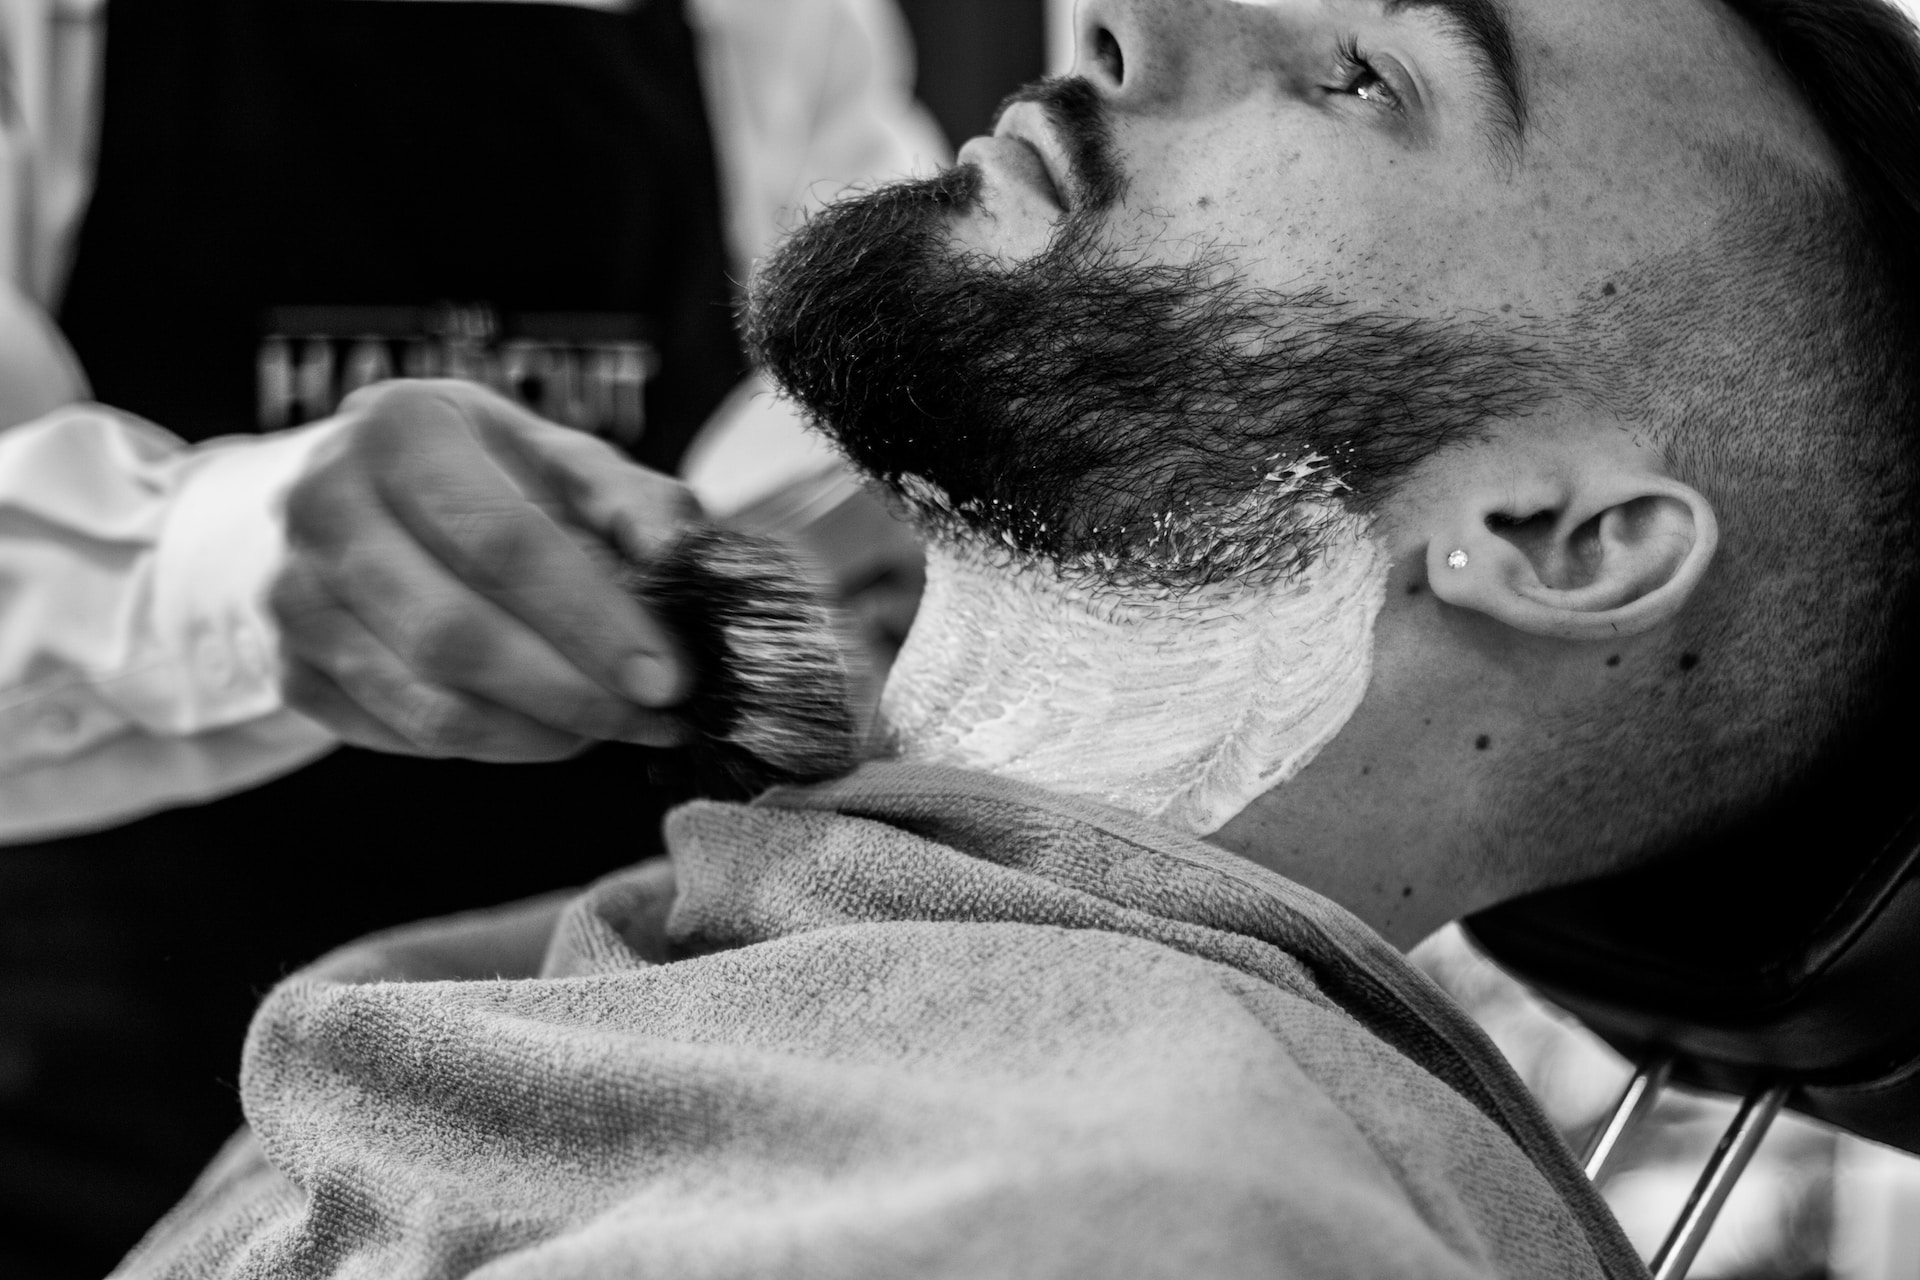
[1688,67]
[1634,109]
[1656,73]
[1651,121]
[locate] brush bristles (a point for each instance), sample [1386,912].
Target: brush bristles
[772,693]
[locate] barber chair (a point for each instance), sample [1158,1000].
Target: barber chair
[1780,963]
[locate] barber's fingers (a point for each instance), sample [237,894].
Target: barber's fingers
[304,610]
[340,674]
[314,694]
[638,511]
[439,640]
[434,470]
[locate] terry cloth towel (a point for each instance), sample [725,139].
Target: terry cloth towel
[915,1023]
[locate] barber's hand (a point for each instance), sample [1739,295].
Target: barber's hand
[452,588]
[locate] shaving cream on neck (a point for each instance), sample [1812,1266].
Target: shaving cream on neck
[1182,706]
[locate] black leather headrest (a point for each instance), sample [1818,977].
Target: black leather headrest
[1783,953]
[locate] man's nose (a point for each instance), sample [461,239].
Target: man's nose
[1142,54]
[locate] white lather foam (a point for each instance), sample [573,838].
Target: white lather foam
[1182,707]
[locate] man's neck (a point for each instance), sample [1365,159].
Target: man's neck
[1178,706]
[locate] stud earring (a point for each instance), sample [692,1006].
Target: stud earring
[1456,559]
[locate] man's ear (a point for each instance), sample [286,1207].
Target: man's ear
[1580,539]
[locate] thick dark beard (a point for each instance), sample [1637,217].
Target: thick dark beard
[1160,424]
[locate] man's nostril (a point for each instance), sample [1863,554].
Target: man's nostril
[1107,56]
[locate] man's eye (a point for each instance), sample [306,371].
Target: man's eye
[1355,75]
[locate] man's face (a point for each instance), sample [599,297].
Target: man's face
[1438,157]
[1251,258]
[1254,263]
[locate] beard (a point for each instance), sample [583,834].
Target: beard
[1132,422]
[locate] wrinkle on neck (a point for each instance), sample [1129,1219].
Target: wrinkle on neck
[1182,707]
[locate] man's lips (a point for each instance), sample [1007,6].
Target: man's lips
[1026,145]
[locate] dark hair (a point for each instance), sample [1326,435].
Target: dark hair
[1778,362]
[1856,64]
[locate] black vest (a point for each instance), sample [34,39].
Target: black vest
[295,197]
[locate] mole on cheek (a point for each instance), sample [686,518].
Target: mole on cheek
[1614,660]
[1607,290]
[1482,742]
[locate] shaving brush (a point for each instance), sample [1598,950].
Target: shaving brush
[773,674]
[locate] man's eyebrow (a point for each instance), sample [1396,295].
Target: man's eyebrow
[1484,25]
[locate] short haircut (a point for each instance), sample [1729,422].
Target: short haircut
[1778,364]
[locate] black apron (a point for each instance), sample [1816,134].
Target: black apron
[296,197]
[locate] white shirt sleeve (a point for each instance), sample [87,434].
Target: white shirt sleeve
[138,665]
[806,97]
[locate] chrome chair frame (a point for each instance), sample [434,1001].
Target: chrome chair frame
[1723,1169]
[1806,995]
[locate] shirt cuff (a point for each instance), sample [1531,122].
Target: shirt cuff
[215,648]
[132,774]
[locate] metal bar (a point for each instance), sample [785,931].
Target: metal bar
[1641,1093]
[1737,1146]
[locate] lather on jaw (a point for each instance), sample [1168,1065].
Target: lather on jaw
[1180,706]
